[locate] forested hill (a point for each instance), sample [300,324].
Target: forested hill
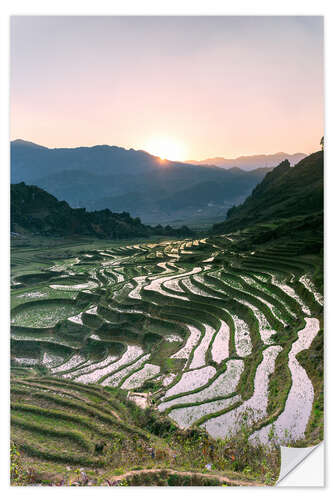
[285,193]
[33,210]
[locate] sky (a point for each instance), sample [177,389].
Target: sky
[179,87]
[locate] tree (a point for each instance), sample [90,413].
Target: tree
[322,143]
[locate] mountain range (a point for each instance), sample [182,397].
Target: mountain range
[157,191]
[252,162]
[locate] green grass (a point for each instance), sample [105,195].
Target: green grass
[53,435]
[43,314]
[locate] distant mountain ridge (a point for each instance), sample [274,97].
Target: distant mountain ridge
[253,161]
[100,177]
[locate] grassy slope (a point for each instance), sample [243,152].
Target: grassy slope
[284,193]
[57,427]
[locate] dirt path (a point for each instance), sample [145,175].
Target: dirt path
[219,477]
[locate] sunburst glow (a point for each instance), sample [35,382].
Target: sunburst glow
[166,148]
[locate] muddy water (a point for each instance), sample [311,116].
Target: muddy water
[291,424]
[187,416]
[75,361]
[243,342]
[291,292]
[191,341]
[114,380]
[191,380]
[90,373]
[199,358]
[138,378]
[156,284]
[197,290]
[220,347]
[135,293]
[223,385]
[173,285]
[312,289]
[253,409]
[105,367]
[265,329]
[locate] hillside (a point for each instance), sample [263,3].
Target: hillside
[33,210]
[73,434]
[287,195]
[104,176]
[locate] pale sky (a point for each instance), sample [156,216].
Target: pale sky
[192,87]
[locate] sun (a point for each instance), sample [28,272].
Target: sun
[166,148]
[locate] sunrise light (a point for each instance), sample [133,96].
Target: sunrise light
[166,148]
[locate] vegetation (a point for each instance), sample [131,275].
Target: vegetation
[64,433]
[285,193]
[57,421]
[214,346]
[33,210]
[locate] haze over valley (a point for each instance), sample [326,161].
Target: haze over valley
[158,191]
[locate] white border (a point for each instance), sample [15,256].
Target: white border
[141,7]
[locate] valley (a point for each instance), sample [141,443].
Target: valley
[166,316]
[109,177]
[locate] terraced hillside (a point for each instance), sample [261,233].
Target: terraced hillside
[223,341]
[71,434]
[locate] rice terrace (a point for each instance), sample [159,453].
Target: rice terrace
[107,341]
[167,249]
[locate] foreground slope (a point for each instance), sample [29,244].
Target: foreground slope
[72,434]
